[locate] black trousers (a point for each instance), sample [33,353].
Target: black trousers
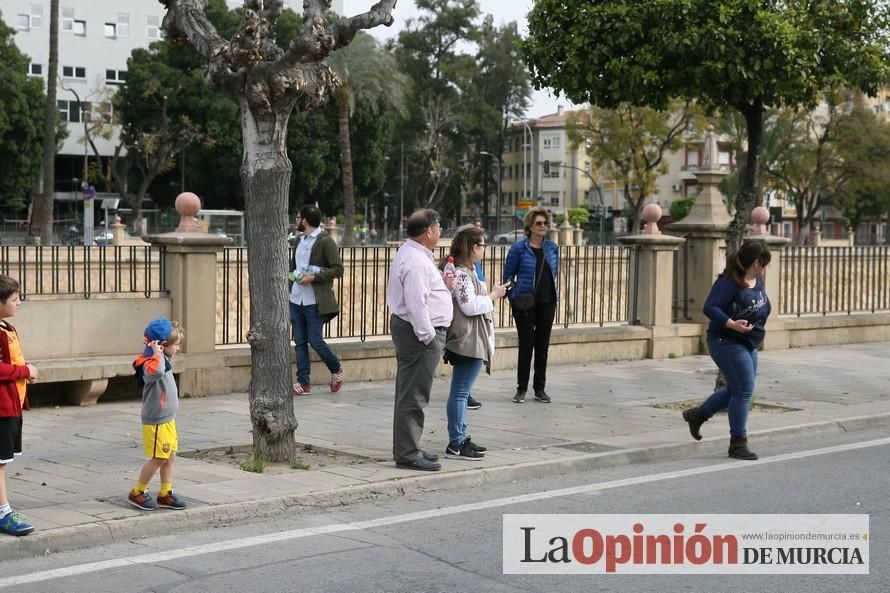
[534,326]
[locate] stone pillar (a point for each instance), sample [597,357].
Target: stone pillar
[553,233]
[578,238]
[816,238]
[565,232]
[190,275]
[704,228]
[118,232]
[333,230]
[651,286]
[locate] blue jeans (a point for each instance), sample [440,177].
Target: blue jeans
[462,379]
[739,366]
[306,325]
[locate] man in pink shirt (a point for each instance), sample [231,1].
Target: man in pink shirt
[421,308]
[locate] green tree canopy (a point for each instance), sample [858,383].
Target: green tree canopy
[743,54]
[21,124]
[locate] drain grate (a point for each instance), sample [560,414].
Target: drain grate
[589,447]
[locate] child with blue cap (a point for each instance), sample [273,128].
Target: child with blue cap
[160,401]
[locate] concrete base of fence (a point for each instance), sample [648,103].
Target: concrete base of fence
[228,369]
[819,330]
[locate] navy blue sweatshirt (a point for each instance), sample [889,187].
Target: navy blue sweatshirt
[728,300]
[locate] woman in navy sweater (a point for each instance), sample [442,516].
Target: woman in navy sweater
[738,309]
[533,264]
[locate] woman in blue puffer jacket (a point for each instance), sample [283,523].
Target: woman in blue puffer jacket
[533,264]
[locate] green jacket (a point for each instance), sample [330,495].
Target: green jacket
[325,254]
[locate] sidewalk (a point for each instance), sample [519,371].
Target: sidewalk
[80,462]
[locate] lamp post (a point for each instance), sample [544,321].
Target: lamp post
[497,215]
[402,193]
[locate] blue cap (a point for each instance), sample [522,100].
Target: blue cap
[159,329]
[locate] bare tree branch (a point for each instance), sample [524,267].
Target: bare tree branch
[344,29]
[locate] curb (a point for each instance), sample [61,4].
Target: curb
[158,523]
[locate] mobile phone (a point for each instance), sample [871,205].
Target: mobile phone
[508,285]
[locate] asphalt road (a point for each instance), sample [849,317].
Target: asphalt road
[451,541]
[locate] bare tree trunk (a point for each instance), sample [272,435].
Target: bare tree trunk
[265,175]
[749,191]
[42,212]
[346,168]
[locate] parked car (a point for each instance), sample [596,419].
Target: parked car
[509,237]
[103,237]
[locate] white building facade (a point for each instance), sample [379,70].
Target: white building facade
[96,38]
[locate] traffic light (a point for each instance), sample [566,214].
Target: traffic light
[546,167]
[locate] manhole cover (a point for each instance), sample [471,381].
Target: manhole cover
[589,447]
[759,405]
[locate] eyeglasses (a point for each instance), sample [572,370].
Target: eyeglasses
[541,223]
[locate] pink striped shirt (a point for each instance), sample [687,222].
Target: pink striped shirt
[416,292]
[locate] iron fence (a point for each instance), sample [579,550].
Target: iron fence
[56,270]
[593,283]
[833,280]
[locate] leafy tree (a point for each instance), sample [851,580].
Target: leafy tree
[269,83]
[863,145]
[801,160]
[21,121]
[579,215]
[741,54]
[499,91]
[364,70]
[679,209]
[628,144]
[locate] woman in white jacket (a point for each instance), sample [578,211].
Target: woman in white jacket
[469,344]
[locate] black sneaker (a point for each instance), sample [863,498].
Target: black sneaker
[473,445]
[542,397]
[463,451]
[472,404]
[519,397]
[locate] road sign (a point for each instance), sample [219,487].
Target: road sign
[89,192]
[524,205]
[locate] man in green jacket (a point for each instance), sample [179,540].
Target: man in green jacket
[315,264]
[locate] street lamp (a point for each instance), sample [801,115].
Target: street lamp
[497,215]
[402,193]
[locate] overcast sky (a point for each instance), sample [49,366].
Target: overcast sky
[504,11]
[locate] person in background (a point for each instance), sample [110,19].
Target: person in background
[469,343]
[315,264]
[533,264]
[420,302]
[738,308]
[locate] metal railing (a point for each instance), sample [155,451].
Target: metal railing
[593,283]
[835,280]
[56,270]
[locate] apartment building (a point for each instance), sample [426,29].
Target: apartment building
[540,167]
[96,38]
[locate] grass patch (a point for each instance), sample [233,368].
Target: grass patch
[299,465]
[256,465]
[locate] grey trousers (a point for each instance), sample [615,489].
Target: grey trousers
[414,380]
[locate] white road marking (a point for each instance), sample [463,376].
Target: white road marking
[260,540]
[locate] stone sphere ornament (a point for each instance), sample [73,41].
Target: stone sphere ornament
[651,214]
[188,205]
[759,218]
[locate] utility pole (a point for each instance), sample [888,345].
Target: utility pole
[402,193]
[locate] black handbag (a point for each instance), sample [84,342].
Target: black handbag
[526,300]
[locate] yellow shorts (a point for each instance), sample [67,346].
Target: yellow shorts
[160,440]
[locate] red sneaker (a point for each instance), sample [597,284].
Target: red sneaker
[301,389]
[337,381]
